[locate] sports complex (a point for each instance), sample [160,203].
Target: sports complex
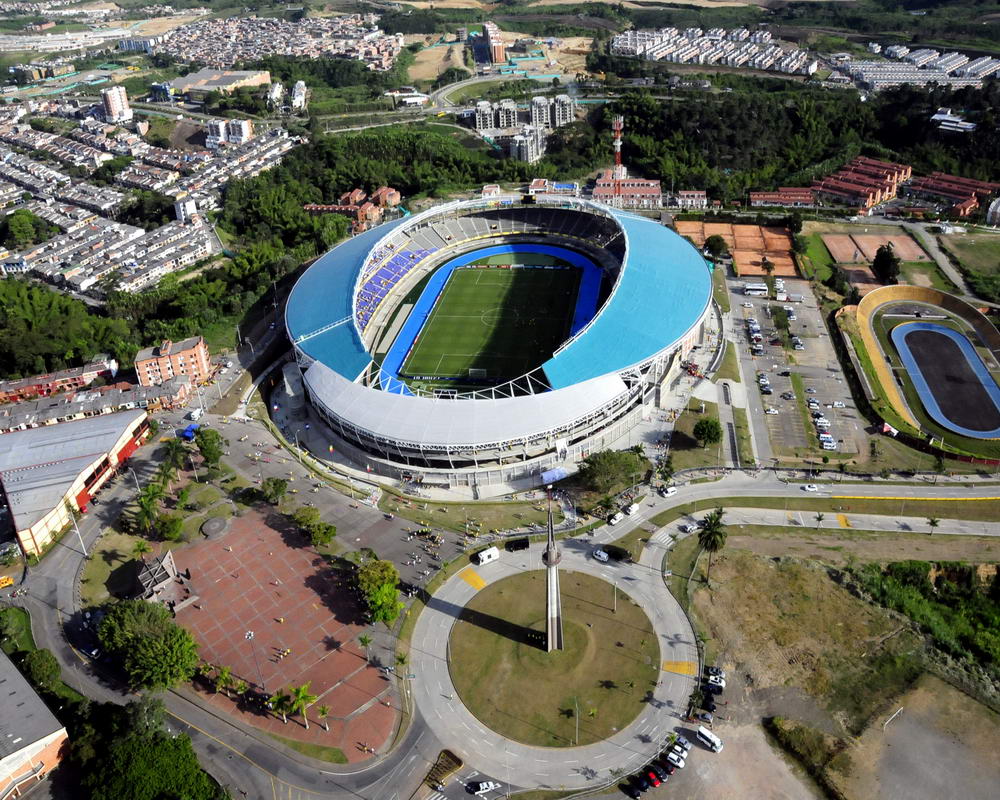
[488,341]
[937,360]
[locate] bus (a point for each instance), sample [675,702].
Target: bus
[755,289]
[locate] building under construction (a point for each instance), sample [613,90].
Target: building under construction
[615,188]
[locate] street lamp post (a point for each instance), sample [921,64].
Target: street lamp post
[78,535]
[615,609]
[576,716]
[137,487]
[249,637]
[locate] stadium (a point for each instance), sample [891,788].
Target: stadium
[487,342]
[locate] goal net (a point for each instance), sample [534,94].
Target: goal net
[475,372]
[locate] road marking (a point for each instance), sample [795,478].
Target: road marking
[681,667]
[471,577]
[843,520]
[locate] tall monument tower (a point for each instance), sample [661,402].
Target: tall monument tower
[553,601]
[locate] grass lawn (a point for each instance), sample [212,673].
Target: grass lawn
[729,370]
[719,289]
[816,262]
[925,273]
[979,252]
[453,516]
[332,754]
[684,448]
[23,641]
[743,443]
[681,562]
[800,400]
[517,689]
[109,571]
[472,91]
[501,321]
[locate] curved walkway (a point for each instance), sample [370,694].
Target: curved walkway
[542,767]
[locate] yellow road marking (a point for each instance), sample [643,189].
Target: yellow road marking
[681,667]
[843,520]
[471,577]
[927,499]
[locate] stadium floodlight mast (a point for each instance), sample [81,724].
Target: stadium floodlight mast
[553,601]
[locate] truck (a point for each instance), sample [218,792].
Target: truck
[189,432]
[781,297]
[196,414]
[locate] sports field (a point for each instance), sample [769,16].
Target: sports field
[499,323]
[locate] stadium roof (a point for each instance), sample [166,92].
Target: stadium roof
[664,289]
[661,294]
[432,422]
[322,298]
[39,465]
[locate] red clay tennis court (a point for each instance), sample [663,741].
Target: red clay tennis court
[256,578]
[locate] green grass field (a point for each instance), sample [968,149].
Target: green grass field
[503,321]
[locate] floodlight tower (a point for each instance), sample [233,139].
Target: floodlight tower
[553,600]
[617,125]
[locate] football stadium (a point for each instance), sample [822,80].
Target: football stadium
[487,342]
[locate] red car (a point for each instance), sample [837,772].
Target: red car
[653,778]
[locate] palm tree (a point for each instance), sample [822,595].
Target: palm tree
[933,522]
[401,659]
[820,516]
[174,452]
[224,679]
[365,641]
[145,517]
[322,712]
[165,474]
[712,536]
[279,702]
[300,700]
[140,548]
[241,687]
[151,493]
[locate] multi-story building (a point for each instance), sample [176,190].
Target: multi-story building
[215,133]
[506,114]
[621,191]
[528,145]
[552,112]
[540,115]
[484,115]
[299,96]
[691,198]
[494,43]
[153,365]
[66,380]
[115,104]
[239,131]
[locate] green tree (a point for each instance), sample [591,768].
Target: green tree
[183,497]
[819,516]
[139,549]
[933,522]
[306,517]
[153,767]
[666,468]
[153,650]
[223,680]
[604,470]
[322,712]
[41,668]
[273,489]
[210,445]
[886,264]
[165,474]
[301,700]
[716,246]
[280,703]
[174,452]
[170,527]
[712,536]
[707,431]
[365,641]
[379,581]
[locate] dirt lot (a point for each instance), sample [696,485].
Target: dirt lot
[158,25]
[858,248]
[798,645]
[833,546]
[748,244]
[943,744]
[432,61]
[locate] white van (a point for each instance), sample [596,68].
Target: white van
[668,491]
[616,518]
[709,739]
[632,509]
[487,555]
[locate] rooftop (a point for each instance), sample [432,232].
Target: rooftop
[167,348]
[27,719]
[37,466]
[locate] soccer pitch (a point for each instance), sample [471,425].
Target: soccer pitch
[504,322]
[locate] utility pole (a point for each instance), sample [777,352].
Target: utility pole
[78,535]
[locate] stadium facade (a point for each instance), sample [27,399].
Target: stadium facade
[347,310]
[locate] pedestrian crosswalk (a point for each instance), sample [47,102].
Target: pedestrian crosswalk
[436,796]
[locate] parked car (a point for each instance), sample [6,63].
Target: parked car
[748,305]
[482,787]
[641,782]
[717,680]
[715,671]
[839,404]
[810,390]
[771,411]
[766,390]
[684,742]
[653,778]
[703,716]
[630,791]
[676,760]
[711,688]
[661,773]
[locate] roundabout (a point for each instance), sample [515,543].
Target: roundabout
[657,703]
[582,694]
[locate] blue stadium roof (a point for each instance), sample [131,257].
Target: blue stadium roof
[322,297]
[662,292]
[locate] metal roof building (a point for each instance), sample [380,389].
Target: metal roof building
[44,470]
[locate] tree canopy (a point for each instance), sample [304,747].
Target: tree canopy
[210,444]
[22,228]
[886,263]
[154,651]
[707,431]
[606,469]
[378,581]
[273,489]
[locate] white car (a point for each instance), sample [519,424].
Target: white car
[716,680]
[482,787]
[810,487]
[748,305]
[839,404]
[676,760]
[771,411]
[600,555]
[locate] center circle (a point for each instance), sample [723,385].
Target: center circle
[586,692]
[491,316]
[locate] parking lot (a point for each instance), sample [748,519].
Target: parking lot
[815,364]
